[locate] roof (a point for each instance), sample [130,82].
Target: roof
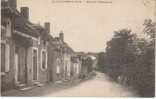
[68,48]
[58,44]
[23,25]
[42,31]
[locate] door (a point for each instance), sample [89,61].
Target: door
[34,64]
[16,68]
[66,72]
[3,57]
[21,65]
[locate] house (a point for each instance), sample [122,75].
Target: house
[8,13]
[24,48]
[55,60]
[76,67]
[30,55]
[67,56]
[59,59]
[87,64]
[42,70]
[26,40]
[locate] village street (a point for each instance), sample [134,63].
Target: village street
[100,85]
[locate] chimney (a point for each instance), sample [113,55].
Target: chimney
[61,35]
[25,12]
[47,27]
[12,3]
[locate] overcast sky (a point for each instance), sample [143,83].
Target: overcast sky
[87,27]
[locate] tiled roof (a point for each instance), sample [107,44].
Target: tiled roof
[68,48]
[24,26]
[42,31]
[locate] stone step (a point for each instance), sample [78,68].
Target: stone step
[39,84]
[21,85]
[26,88]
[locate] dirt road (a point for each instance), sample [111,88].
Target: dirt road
[98,86]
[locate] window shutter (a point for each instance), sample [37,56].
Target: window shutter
[46,59]
[7,58]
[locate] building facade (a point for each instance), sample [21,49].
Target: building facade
[76,67]
[23,49]
[30,56]
[7,45]
[55,60]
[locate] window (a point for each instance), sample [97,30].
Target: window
[44,59]
[44,43]
[58,69]
[7,26]
[58,66]
[5,57]
[77,68]
[3,32]
[35,64]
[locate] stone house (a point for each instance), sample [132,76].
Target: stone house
[43,42]
[8,13]
[67,56]
[55,60]
[26,50]
[86,64]
[29,54]
[33,68]
[23,48]
[59,59]
[76,67]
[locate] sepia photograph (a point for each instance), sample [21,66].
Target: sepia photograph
[77,48]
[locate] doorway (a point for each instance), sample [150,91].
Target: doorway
[35,64]
[21,65]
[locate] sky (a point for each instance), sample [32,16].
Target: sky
[88,26]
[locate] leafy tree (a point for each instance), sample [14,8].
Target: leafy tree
[101,63]
[131,60]
[119,53]
[145,83]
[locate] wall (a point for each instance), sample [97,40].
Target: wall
[67,66]
[53,57]
[42,73]
[8,77]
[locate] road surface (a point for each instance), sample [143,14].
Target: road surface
[99,86]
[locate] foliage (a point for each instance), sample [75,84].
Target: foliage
[130,60]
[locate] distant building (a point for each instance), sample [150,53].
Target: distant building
[87,64]
[55,60]
[76,67]
[59,59]
[67,53]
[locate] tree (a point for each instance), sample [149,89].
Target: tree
[119,53]
[101,63]
[146,62]
[130,60]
